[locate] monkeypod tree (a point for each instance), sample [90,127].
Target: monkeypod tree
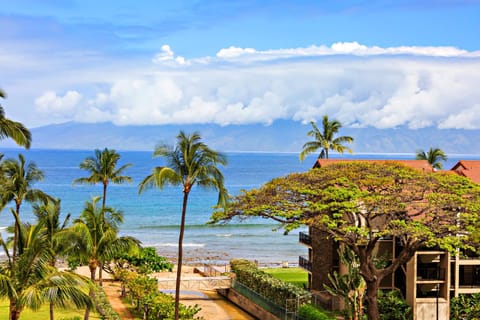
[359,203]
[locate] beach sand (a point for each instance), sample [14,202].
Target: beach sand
[213,305]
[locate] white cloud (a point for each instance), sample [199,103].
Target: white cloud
[50,102]
[358,85]
[340,48]
[166,55]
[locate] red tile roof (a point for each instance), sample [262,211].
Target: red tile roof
[469,169]
[421,165]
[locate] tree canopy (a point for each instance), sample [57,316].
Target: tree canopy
[358,203]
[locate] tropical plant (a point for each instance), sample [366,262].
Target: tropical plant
[28,279]
[103,169]
[48,213]
[191,162]
[434,156]
[349,286]
[94,237]
[12,129]
[325,139]
[18,179]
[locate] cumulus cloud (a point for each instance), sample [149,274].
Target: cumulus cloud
[50,102]
[166,55]
[358,85]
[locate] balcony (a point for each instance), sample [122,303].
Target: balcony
[305,263]
[430,273]
[305,239]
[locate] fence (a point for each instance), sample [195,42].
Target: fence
[287,312]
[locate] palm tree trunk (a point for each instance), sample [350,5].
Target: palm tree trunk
[104,201]
[180,253]
[51,311]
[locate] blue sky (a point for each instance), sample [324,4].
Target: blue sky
[367,63]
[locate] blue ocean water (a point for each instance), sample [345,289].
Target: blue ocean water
[154,216]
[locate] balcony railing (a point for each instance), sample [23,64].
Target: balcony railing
[305,238]
[305,263]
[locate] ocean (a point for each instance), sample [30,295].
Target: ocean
[153,217]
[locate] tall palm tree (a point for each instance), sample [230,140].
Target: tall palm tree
[189,163]
[12,129]
[103,169]
[18,182]
[325,139]
[434,156]
[31,281]
[95,237]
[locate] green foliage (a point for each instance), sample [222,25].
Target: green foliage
[275,290]
[392,306]
[310,312]
[350,286]
[146,261]
[103,306]
[144,296]
[465,306]
[358,203]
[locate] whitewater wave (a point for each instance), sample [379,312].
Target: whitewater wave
[168,244]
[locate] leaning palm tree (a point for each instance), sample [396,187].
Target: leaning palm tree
[29,281]
[434,156]
[12,129]
[325,139]
[103,169]
[191,162]
[18,179]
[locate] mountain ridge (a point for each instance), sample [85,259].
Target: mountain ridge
[280,136]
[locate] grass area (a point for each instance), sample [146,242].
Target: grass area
[296,276]
[43,313]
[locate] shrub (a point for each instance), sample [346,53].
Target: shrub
[392,306]
[465,306]
[310,312]
[275,290]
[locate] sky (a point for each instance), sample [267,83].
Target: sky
[372,63]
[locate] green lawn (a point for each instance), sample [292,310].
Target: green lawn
[43,313]
[296,276]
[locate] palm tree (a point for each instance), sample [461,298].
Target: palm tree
[95,237]
[48,214]
[29,281]
[18,178]
[434,156]
[189,163]
[103,169]
[325,139]
[12,129]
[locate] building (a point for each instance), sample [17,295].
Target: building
[428,281]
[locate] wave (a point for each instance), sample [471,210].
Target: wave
[212,226]
[169,244]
